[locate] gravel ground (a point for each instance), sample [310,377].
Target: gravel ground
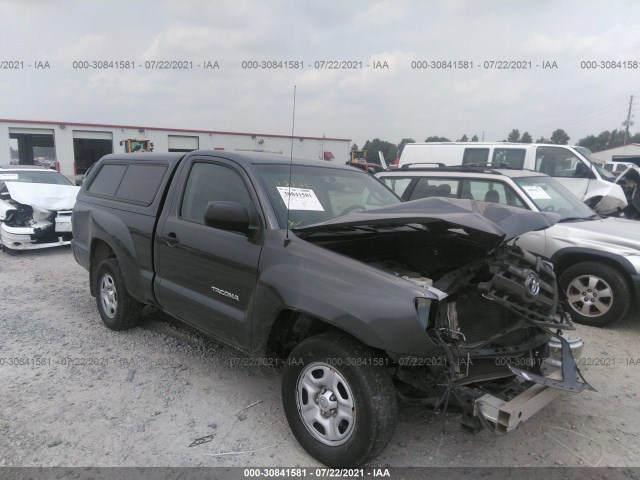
[92,397]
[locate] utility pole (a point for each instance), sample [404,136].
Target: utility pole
[627,123]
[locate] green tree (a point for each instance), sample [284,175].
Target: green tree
[464,138]
[559,137]
[372,147]
[526,138]
[436,139]
[514,136]
[474,138]
[402,143]
[604,140]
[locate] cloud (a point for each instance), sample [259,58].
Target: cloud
[382,14]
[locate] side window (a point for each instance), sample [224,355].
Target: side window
[493,192]
[397,184]
[141,183]
[560,162]
[107,179]
[475,155]
[210,182]
[512,157]
[435,187]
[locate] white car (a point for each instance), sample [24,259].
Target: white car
[35,207]
[597,259]
[569,165]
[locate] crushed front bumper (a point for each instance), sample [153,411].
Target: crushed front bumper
[504,415]
[27,238]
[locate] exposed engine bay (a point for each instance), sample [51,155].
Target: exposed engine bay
[629,180]
[490,330]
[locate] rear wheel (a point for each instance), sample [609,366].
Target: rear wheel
[598,294]
[118,309]
[339,400]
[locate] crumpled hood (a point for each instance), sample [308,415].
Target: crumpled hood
[488,223]
[43,195]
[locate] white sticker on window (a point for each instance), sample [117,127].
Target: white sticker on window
[8,176]
[301,199]
[536,192]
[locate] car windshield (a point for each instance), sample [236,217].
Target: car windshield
[550,196]
[34,176]
[605,174]
[319,194]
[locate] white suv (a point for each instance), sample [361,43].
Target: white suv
[597,259]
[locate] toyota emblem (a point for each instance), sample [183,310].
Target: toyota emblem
[532,283]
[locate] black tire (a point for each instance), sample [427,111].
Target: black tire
[125,311]
[607,295]
[361,378]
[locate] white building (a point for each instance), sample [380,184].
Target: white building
[620,154]
[73,147]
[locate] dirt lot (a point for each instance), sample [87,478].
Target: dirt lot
[81,395]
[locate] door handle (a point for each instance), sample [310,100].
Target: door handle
[171,239]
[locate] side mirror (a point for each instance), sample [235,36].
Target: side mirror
[228,216]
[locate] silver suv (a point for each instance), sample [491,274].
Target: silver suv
[597,259]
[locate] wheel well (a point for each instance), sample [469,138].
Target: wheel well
[100,251]
[570,259]
[289,329]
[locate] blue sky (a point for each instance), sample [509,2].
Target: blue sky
[360,104]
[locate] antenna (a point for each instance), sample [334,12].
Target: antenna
[293,124]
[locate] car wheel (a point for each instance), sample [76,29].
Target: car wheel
[598,294]
[118,309]
[339,400]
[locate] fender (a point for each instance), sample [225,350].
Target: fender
[131,247]
[619,260]
[381,313]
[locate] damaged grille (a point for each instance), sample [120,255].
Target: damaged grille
[524,283]
[480,318]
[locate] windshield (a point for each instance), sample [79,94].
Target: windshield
[33,176]
[605,174]
[549,196]
[319,194]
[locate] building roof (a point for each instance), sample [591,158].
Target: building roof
[180,130]
[620,147]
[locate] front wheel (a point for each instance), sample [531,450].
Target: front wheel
[339,400]
[598,294]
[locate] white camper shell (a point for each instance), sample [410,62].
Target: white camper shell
[585,179]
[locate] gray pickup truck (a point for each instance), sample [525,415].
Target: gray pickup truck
[363,299]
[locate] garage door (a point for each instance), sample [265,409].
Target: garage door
[183,143]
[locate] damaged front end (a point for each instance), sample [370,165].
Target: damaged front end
[495,332]
[496,350]
[27,225]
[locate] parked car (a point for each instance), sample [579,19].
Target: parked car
[568,165]
[597,259]
[323,268]
[35,207]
